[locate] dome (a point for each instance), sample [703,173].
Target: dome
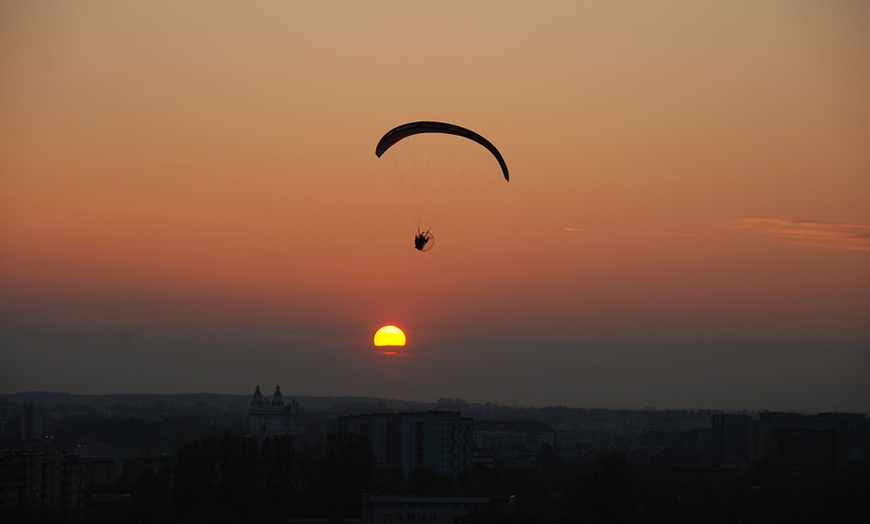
[277,398]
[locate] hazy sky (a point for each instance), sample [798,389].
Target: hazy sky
[190,201]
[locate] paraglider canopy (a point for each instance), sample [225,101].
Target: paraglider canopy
[413,128]
[442,166]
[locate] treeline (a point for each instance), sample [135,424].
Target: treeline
[239,479]
[236,479]
[134,436]
[614,490]
[220,405]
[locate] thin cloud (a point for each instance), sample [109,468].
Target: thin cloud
[677,234]
[831,235]
[580,229]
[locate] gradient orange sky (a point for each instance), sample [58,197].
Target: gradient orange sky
[193,182]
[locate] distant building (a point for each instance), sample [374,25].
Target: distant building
[844,433]
[852,436]
[515,436]
[40,482]
[270,416]
[20,425]
[730,438]
[671,447]
[806,451]
[9,422]
[768,425]
[97,471]
[377,509]
[442,441]
[516,441]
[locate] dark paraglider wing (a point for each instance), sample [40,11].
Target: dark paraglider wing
[413,128]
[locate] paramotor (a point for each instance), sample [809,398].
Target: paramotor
[438,166]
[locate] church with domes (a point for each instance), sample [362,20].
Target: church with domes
[270,416]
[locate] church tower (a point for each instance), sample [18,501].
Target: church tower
[271,417]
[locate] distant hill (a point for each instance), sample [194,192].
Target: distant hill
[338,404]
[349,405]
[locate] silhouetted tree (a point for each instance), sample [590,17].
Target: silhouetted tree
[612,488]
[236,478]
[348,469]
[424,481]
[219,478]
[277,483]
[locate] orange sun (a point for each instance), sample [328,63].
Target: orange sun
[389,336]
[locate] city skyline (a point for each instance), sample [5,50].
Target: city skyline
[190,201]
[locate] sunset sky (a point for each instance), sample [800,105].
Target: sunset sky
[190,201]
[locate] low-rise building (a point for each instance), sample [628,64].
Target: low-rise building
[393,509]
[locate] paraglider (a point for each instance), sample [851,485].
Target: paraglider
[435,173]
[423,241]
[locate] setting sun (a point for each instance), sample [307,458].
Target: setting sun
[389,336]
